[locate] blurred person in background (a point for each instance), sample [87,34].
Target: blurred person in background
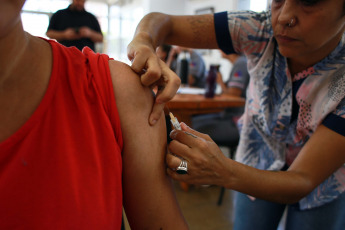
[186,62]
[222,127]
[163,52]
[74,26]
[238,80]
[196,74]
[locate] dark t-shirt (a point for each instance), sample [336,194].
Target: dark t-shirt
[68,18]
[239,76]
[196,68]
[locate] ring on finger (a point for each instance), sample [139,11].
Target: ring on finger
[182,168]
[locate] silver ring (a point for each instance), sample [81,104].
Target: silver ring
[182,168]
[291,22]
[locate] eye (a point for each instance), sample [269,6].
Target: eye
[309,2]
[276,3]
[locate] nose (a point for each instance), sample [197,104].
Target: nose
[287,13]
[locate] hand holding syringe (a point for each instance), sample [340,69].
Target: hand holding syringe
[183,167]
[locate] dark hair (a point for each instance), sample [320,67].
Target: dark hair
[166,48]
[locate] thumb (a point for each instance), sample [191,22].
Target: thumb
[156,113]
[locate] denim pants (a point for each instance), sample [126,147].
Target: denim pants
[264,215]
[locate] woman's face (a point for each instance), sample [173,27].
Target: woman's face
[315,29]
[9,15]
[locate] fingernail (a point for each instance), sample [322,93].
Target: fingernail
[184,124]
[173,134]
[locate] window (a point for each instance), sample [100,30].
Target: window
[35,23]
[118,23]
[122,24]
[258,5]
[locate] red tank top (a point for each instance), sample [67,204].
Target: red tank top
[62,168]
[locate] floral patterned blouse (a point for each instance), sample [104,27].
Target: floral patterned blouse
[283,111]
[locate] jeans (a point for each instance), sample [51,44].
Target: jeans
[264,215]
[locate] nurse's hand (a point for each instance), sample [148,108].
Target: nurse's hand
[205,162]
[153,72]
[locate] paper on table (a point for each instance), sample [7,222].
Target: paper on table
[190,90]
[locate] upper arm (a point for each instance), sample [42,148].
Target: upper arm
[149,199]
[321,156]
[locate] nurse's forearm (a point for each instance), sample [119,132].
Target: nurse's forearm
[194,31]
[276,186]
[153,29]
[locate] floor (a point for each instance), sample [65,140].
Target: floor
[199,207]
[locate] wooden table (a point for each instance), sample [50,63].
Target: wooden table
[184,106]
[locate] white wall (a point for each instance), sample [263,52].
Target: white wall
[218,5]
[243,4]
[176,7]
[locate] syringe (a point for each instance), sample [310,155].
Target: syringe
[174,122]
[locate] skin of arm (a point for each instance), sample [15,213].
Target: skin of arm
[194,31]
[156,28]
[68,34]
[86,32]
[232,91]
[191,79]
[149,199]
[322,155]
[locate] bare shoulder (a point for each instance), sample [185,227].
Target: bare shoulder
[128,90]
[126,80]
[119,70]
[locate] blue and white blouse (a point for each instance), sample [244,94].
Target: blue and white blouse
[283,111]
